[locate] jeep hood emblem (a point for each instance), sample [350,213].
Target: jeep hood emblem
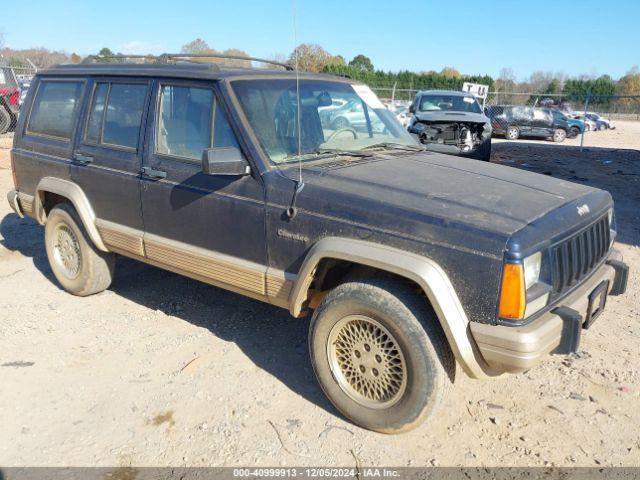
[583,209]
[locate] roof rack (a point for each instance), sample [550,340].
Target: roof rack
[177,57]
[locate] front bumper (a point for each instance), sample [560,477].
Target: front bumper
[12,198]
[515,349]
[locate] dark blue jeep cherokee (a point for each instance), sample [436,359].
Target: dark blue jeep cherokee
[411,261]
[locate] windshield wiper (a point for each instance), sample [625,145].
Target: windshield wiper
[327,153]
[394,146]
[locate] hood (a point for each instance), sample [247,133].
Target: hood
[440,116]
[423,193]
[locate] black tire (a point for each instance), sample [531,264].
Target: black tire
[483,152]
[411,325]
[512,132]
[5,120]
[559,135]
[574,132]
[340,123]
[602,127]
[77,264]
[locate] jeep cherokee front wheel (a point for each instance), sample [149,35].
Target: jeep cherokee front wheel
[77,264]
[380,355]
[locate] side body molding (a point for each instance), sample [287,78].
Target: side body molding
[426,273]
[79,200]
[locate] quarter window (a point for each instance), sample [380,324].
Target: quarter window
[94,126]
[119,122]
[190,121]
[54,108]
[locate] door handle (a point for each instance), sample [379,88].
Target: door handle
[153,173]
[82,159]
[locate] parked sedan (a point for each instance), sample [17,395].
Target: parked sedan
[351,115]
[601,122]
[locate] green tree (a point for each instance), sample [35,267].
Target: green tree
[362,62]
[200,47]
[630,84]
[450,72]
[313,58]
[197,46]
[385,81]
[105,52]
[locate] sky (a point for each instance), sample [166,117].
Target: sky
[591,37]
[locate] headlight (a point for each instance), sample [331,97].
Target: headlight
[532,265]
[612,227]
[522,292]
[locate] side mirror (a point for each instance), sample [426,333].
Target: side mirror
[224,161]
[412,108]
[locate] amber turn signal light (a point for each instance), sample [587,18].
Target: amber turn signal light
[512,292]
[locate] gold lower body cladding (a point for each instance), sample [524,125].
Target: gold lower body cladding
[241,276]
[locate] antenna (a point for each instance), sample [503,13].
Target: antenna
[299,184]
[296,53]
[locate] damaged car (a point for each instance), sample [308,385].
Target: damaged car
[451,122]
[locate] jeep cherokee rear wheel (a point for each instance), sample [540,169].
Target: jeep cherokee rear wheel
[380,355]
[77,264]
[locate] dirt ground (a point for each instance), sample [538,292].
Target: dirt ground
[162,370]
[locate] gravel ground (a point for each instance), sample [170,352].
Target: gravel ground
[162,370]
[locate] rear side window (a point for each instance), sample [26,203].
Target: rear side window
[94,127]
[54,109]
[189,121]
[116,114]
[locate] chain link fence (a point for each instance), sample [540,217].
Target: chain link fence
[14,85]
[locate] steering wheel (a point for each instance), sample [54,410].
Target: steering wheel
[339,131]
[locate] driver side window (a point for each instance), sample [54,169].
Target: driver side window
[189,120]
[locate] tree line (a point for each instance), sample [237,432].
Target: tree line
[314,58]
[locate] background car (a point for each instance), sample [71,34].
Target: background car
[452,122]
[576,127]
[601,122]
[24,88]
[402,114]
[515,121]
[589,124]
[326,112]
[350,115]
[9,99]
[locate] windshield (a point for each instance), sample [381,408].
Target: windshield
[449,103]
[334,116]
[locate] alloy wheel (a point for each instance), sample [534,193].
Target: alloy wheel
[367,362]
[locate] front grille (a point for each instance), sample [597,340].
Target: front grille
[576,257]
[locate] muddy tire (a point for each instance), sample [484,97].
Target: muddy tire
[5,120]
[77,264]
[512,133]
[559,135]
[380,354]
